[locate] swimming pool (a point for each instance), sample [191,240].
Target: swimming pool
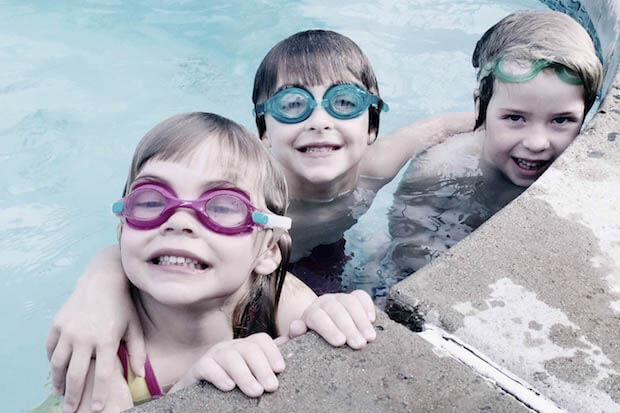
[81,82]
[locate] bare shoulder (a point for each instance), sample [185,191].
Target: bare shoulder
[296,297]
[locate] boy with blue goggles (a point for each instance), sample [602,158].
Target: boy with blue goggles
[296,104]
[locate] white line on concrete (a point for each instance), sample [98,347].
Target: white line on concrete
[503,378]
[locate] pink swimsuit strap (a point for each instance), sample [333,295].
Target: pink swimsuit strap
[149,376]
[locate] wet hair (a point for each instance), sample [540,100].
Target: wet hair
[240,155]
[315,57]
[533,35]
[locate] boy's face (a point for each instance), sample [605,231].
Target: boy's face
[321,149]
[530,124]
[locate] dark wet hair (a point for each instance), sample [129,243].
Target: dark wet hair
[538,34]
[315,57]
[243,157]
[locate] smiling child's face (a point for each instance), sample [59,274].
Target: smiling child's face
[320,153]
[219,265]
[528,125]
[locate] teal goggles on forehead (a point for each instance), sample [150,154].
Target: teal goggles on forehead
[523,70]
[294,104]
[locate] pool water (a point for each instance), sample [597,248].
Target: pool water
[82,81]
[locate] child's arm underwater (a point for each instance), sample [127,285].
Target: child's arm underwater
[91,323]
[388,154]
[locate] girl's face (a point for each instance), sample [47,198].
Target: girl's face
[530,124]
[155,259]
[321,150]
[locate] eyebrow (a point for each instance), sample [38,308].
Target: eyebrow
[575,111]
[508,109]
[566,112]
[207,185]
[299,86]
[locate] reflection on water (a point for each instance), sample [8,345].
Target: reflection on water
[428,216]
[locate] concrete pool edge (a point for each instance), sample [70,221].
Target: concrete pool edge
[322,378]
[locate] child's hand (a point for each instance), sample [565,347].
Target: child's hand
[91,324]
[339,319]
[249,363]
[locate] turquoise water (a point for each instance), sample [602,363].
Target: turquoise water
[81,82]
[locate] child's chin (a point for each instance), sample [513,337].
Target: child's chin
[520,181]
[321,178]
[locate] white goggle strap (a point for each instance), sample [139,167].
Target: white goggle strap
[272,221]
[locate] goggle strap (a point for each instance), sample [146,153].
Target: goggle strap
[258,110]
[271,221]
[567,77]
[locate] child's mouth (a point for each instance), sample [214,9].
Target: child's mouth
[318,148]
[179,261]
[530,166]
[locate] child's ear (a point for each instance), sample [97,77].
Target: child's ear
[270,258]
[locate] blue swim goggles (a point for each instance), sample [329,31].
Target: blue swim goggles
[513,70]
[295,104]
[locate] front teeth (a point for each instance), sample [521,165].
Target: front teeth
[317,149]
[529,164]
[182,261]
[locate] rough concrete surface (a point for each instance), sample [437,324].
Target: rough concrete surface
[537,287]
[399,372]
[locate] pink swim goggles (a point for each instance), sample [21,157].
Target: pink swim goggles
[225,211]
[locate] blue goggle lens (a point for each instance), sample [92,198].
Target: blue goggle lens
[347,101]
[290,105]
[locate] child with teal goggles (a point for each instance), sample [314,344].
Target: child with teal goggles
[523,70]
[296,104]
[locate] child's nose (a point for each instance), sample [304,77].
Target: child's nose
[320,119]
[183,220]
[537,139]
